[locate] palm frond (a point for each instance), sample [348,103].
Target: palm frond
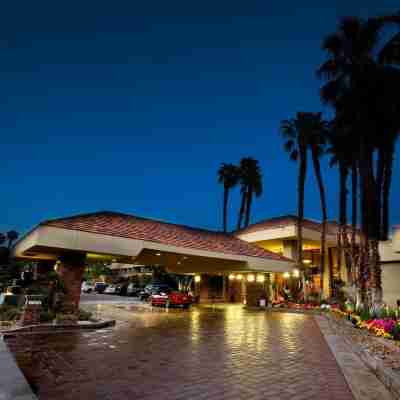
[390,53]
[289,146]
[294,155]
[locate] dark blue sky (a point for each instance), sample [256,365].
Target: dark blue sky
[132,105]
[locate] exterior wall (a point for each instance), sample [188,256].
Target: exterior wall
[391,283]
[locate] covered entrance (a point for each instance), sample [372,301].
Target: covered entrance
[224,268]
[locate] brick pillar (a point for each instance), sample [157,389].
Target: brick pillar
[254,290]
[70,269]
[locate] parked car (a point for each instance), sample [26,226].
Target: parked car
[87,287]
[171,299]
[100,287]
[153,289]
[122,289]
[111,289]
[133,290]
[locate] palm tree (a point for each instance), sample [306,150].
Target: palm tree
[307,131]
[342,156]
[294,130]
[250,178]
[12,236]
[362,85]
[228,175]
[317,137]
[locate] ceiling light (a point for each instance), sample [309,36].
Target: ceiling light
[260,278]
[250,278]
[231,277]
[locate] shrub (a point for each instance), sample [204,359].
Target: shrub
[365,314]
[9,313]
[47,316]
[84,315]
[396,332]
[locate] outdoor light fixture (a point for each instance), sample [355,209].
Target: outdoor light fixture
[286,275]
[296,273]
[231,277]
[239,277]
[260,278]
[197,278]
[250,278]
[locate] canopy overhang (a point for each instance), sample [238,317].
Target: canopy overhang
[50,243]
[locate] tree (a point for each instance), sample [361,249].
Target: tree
[250,179]
[307,131]
[342,154]
[295,132]
[362,85]
[228,175]
[12,236]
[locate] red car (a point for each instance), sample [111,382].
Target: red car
[171,299]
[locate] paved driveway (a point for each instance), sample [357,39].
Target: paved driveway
[225,353]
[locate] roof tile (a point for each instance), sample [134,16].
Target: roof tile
[132,227]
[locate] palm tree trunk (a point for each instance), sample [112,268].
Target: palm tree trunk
[354,208]
[300,213]
[354,215]
[242,208]
[387,181]
[369,221]
[226,196]
[317,170]
[379,184]
[249,201]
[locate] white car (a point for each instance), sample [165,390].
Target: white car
[87,287]
[112,289]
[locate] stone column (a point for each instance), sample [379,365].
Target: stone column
[70,269]
[204,289]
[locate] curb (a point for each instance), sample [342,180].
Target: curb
[389,378]
[55,328]
[13,384]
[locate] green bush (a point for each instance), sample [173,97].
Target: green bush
[47,316]
[84,315]
[365,314]
[9,313]
[396,332]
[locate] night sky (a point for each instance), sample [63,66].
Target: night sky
[132,106]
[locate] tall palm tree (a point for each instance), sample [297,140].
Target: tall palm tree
[254,184]
[361,87]
[228,175]
[250,178]
[317,136]
[307,131]
[341,156]
[12,236]
[294,131]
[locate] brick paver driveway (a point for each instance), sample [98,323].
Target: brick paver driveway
[227,353]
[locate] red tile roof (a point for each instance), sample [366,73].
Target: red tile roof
[286,220]
[132,227]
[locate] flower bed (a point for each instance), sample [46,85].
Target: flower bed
[387,327]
